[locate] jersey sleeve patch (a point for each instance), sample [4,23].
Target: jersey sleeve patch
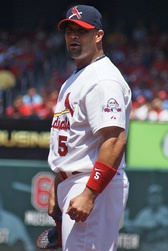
[111,106]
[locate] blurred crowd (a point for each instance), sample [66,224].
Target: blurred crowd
[34,65]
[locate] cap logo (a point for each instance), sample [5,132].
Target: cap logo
[75,12]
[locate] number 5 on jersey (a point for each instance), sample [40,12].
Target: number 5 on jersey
[62,145]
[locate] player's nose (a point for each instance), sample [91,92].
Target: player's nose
[73,35]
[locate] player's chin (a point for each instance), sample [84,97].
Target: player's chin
[75,53]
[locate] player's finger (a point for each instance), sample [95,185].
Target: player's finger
[84,217]
[72,214]
[70,209]
[80,217]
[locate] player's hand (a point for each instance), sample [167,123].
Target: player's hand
[81,206]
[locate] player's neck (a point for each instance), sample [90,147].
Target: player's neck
[82,65]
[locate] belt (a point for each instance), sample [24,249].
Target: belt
[64,175]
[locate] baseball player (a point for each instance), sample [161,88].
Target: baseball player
[88,139]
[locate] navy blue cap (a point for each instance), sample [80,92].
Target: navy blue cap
[84,15]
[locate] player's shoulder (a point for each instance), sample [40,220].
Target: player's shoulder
[105,69]
[106,66]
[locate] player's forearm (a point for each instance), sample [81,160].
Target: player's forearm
[113,147]
[112,150]
[52,200]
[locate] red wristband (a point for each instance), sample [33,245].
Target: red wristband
[100,176]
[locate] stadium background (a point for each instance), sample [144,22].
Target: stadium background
[24,173]
[26,14]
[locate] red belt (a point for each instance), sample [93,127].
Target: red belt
[64,175]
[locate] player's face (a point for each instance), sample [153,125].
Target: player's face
[80,42]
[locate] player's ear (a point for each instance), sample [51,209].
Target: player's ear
[99,35]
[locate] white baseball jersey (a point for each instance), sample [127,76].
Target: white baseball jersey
[94,97]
